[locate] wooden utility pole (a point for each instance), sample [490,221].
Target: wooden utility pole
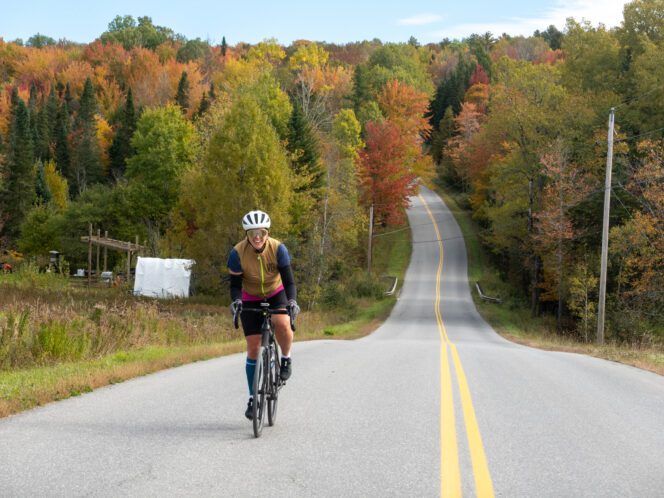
[605,232]
[105,250]
[98,236]
[89,253]
[370,238]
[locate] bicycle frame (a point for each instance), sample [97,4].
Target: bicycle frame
[267,380]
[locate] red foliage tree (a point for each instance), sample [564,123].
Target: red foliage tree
[386,180]
[479,76]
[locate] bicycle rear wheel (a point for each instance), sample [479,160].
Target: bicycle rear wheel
[273,379]
[260,385]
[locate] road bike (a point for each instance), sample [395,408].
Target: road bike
[267,378]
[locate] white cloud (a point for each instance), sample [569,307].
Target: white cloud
[607,12]
[419,20]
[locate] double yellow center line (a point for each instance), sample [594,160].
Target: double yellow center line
[450,478]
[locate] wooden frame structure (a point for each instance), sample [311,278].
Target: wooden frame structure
[106,243]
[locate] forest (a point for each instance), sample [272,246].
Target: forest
[145,132]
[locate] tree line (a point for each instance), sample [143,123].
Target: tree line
[145,132]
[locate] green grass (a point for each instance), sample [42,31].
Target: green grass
[391,252]
[27,388]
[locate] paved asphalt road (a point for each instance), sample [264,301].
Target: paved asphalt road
[422,407]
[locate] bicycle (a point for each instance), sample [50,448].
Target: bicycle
[267,379]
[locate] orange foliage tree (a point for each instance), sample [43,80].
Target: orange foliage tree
[405,108]
[386,181]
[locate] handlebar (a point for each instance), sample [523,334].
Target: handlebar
[286,311]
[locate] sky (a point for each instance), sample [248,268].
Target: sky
[337,21]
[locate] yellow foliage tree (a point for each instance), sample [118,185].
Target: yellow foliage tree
[57,186]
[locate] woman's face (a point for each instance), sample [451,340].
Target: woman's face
[257,237]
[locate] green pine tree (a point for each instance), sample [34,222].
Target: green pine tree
[203,106]
[86,163]
[121,148]
[224,47]
[182,96]
[41,187]
[72,105]
[19,192]
[61,143]
[33,110]
[304,146]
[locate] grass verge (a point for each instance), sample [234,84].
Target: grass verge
[25,389]
[512,319]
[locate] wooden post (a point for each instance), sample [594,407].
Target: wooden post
[105,250]
[98,237]
[89,253]
[369,249]
[129,264]
[605,232]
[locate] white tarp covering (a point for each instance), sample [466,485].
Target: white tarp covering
[156,277]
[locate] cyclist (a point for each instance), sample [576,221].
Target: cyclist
[260,270]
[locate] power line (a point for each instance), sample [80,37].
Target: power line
[633,99]
[639,135]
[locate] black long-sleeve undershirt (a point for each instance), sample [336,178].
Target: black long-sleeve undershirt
[288,280]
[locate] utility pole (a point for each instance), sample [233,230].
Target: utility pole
[605,232]
[370,238]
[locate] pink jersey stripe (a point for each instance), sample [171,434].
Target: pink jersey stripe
[249,297]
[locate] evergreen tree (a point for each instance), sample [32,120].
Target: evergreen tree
[121,148]
[450,92]
[441,135]
[72,105]
[203,106]
[34,119]
[224,47]
[211,93]
[88,104]
[48,121]
[182,96]
[304,146]
[61,144]
[41,188]
[87,168]
[19,192]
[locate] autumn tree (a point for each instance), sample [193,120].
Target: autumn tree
[405,108]
[131,33]
[565,188]
[637,247]
[245,167]
[387,182]
[164,145]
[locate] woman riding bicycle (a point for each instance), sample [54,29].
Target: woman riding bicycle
[261,271]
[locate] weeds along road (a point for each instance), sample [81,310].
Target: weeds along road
[432,403]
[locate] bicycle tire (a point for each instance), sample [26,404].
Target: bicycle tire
[273,378]
[260,376]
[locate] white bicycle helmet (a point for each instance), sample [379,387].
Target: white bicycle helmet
[256,219]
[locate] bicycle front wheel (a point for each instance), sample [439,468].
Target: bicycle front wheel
[260,384]
[273,380]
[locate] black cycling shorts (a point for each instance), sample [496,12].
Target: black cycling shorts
[251,322]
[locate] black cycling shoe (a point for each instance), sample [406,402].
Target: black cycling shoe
[286,370]
[249,412]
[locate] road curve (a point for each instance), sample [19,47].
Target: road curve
[434,402]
